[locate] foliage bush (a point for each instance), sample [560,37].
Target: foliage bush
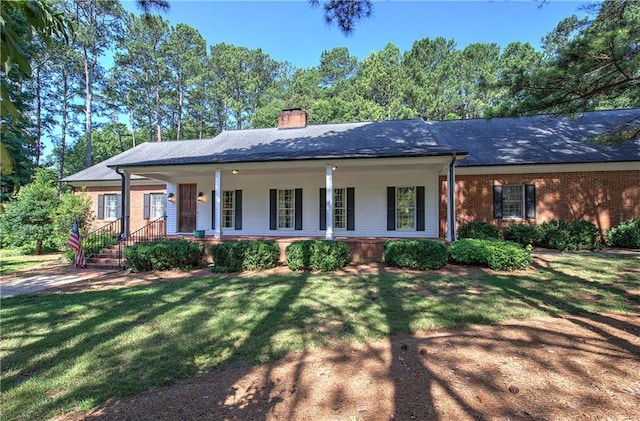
[577,235]
[625,235]
[524,234]
[244,255]
[491,253]
[415,254]
[317,255]
[479,230]
[164,255]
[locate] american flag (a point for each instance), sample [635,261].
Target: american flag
[75,243]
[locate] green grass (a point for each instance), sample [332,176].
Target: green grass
[11,262]
[63,352]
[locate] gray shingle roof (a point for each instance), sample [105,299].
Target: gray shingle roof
[539,139]
[499,141]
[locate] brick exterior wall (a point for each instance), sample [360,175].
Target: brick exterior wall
[136,219]
[604,198]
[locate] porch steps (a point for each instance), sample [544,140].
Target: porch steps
[106,259]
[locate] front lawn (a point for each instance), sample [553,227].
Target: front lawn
[11,262]
[68,351]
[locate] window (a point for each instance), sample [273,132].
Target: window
[157,205]
[405,207]
[339,208]
[512,201]
[110,206]
[516,201]
[228,208]
[286,209]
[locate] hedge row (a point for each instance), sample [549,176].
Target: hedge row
[164,255]
[244,255]
[559,235]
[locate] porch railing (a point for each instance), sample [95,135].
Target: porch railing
[153,231]
[102,238]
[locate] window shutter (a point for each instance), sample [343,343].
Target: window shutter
[420,201]
[119,206]
[213,209]
[323,208]
[101,206]
[238,215]
[530,200]
[391,208]
[298,210]
[351,210]
[497,202]
[146,207]
[273,209]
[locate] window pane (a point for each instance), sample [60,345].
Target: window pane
[339,208]
[157,206]
[228,208]
[513,201]
[286,211]
[111,206]
[405,207]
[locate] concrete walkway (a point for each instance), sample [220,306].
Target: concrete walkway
[27,284]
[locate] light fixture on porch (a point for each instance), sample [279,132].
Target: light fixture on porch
[334,168]
[171,197]
[201,197]
[234,172]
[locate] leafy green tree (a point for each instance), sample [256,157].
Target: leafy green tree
[97,24]
[590,63]
[28,220]
[479,68]
[337,67]
[345,13]
[185,51]
[516,65]
[72,206]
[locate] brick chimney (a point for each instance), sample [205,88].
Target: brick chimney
[294,118]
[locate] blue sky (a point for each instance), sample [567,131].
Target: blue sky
[294,31]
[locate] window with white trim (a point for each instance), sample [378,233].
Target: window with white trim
[340,208]
[406,208]
[157,205]
[228,208]
[286,209]
[513,201]
[110,206]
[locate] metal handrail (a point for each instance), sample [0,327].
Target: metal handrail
[101,238]
[153,231]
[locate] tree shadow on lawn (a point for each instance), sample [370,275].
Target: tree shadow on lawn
[237,389]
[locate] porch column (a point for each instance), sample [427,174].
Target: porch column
[451,201]
[329,187]
[217,230]
[126,204]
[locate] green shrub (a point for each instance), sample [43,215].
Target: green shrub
[244,255]
[578,235]
[479,230]
[625,235]
[317,255]
[415,254]
[524,234]
[495,254]
[164,255]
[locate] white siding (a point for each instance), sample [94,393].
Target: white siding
[370,200]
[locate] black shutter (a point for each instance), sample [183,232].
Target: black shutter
[391,208]
[497,202]
[420,201]
[298,205]
[273,209]
[323,208]
[119,206]
[213,209]
[101,206]
[146,207]
[238,215]
[530,200]
[351,214]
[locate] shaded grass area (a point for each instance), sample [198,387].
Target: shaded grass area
[70,351]
[11,263]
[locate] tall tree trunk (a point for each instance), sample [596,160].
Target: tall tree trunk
[180,101]
[87,108]
[133,130]
[63,124]
[158,118]
[38,114]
